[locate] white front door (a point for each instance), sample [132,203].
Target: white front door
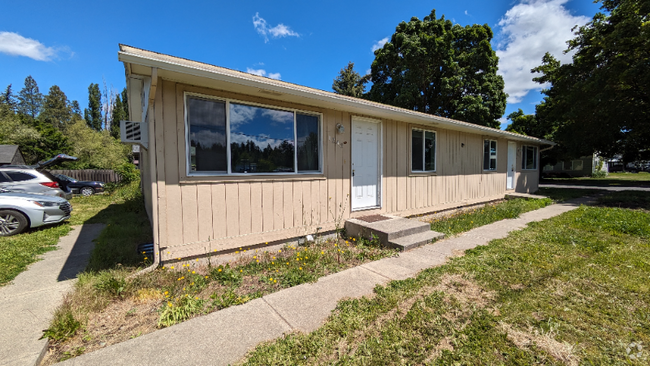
[366,155]
[512,161]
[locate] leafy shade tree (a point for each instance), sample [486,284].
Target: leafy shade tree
[436,67]
[93,114]
[30,99]
[56,109]
[601,101]
[527,124]
[118,115]
[349,82]
[75,109]
[94,149]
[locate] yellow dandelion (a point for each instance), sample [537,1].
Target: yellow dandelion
[335,245]
[300,268]
[196,298]
[322,252]
[193,272]
[172,267]
[143,252]
[306,257]
[258,261]
[166,292]
[168,253]
[346,242]
[275,281]
[183,288]
[270,279]
[267,243]
[197,259]
[237,252]
[206,276]
[219,270]
[354,239]
[254,256]
[272,262]
[287,263]
[273,257]
[169,304]
[279,251]
[214,250]
[163,267]
[241,270]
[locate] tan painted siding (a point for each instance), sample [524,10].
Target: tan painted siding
[200,214]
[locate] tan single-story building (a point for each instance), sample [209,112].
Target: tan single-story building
[230,159]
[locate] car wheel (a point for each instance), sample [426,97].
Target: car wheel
[12,222]
[87,191]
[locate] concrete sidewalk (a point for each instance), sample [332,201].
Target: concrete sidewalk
[616,189]
[30,300]
[224,337]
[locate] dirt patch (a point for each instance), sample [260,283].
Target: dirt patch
[444,345]
[561,351]
[465,291]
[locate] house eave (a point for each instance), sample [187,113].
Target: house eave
[206,75]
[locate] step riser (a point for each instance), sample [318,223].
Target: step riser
[412,246]
[355,230]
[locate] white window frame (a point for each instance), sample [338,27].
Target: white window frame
[228,160]
[435,153]
[524,150]
[496,151]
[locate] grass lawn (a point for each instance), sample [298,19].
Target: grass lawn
[574,289]
[641,179]
[122,209]
[467,220]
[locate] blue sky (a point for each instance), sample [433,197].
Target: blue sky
[75,43]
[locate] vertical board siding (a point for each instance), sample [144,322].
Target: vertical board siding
[239,212]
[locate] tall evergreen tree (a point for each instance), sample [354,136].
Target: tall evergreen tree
[56,109]
[93,114]
[75,109]
[118,115]
[30,99]
[7,98]
[125,104]
[437,67]
[349,82]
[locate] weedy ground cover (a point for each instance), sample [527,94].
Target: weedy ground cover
[574,289]
[107,307]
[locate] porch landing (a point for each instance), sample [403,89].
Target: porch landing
[392,231]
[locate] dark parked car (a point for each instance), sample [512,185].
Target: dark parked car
[81,187]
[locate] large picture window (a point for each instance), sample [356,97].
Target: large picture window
[529,158]
[423,151]
[489,155]
[235,138]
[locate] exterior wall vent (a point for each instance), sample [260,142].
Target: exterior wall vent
[135,133]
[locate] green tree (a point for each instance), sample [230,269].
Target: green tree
[436,67]
[56,109]
[118,115]
[600,102]
[526,124]
[93,114]
[75,109]
[125,104]
[13,131]
[349,82]
[94,149]
[30,99]
[49,143]
[7,98]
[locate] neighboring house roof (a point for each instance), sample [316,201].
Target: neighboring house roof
[138,61]
[8,153]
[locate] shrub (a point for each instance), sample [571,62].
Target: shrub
[599,174]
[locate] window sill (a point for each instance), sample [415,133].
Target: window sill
[249,179]
[422,174]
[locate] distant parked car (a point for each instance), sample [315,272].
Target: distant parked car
[83,188]
[34,178]
[19,211]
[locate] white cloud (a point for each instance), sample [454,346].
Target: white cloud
[379,44]
[262,72]
[16,45]
[530,29]
[279,31]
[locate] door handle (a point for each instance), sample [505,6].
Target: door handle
[353,172]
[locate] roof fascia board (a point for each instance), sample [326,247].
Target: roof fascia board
[398,113]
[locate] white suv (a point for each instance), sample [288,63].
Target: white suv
[34,179]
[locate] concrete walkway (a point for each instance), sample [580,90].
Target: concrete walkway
[30,300]
[616,189]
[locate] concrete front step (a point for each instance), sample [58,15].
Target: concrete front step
[386,230]
[415,240]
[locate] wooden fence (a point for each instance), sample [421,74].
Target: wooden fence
[105,176]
